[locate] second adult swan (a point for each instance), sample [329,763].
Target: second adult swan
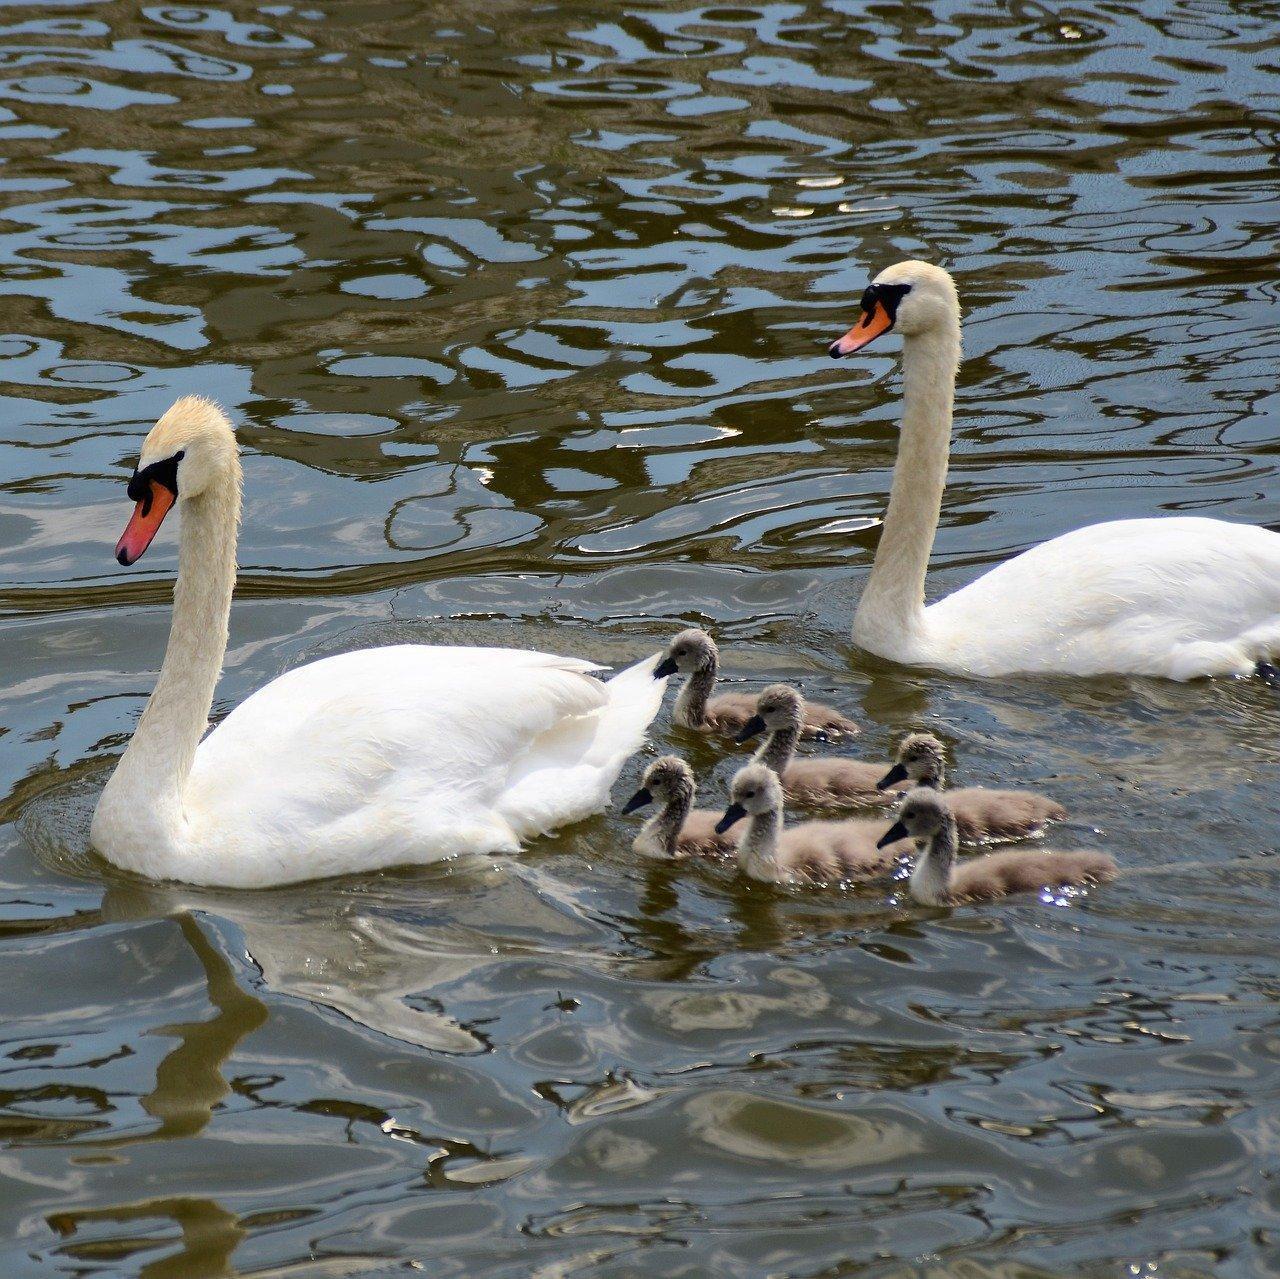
[1178,596]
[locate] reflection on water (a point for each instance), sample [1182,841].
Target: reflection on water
[522,314]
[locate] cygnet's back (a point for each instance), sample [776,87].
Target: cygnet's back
[835,782]
[699,838]
[1026,870]
[827,852]
[986,816]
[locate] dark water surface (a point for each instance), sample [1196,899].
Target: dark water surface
[521,311]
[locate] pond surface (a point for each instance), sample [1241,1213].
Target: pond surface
[521,312]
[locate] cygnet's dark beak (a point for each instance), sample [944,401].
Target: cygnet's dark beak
[642,797]
[898,773]
[664,668]
[753,726]
[895,832]
[734,813]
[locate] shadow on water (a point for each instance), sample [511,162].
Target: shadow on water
[189,1081]
[189,1086]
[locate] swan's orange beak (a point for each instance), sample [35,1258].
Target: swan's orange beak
[873,323]
[145,523]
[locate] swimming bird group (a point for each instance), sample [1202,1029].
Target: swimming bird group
[752,828]
[409,753]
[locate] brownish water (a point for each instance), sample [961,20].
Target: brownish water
[521,310]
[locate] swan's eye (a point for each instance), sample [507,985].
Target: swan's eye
[164,472]
[888,295]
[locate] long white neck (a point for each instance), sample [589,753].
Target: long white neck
[931,875]
[140,822]
[890,614]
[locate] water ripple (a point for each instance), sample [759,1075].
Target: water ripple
[521,313]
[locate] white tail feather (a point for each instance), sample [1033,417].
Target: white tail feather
[572,767]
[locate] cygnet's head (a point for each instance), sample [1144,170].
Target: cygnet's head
[778,707]
[754,792]
[691,651]
[909,297]
[665,780]
[924,814]
[920,758]
[187,449]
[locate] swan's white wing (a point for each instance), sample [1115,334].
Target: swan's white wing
[1175,597]
[381,757]
[568,771]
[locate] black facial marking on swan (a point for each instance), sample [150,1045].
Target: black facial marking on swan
[164,473]
[888,295]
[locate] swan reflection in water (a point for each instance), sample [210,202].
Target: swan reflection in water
[371,948]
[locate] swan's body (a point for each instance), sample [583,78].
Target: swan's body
[380,757]
[982,815]
[808,853]
[831,781]
[936,880]
[407,754]
[1177,597]
[693,653]
[677,829]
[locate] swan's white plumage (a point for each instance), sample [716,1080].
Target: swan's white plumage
[1177,597]
[406,754]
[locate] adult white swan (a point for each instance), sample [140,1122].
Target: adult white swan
[1176,596]
[380,757]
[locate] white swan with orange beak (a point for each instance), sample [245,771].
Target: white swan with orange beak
[374,758]
[1175,596]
